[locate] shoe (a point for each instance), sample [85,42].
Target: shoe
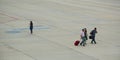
[80,44]
[84,45]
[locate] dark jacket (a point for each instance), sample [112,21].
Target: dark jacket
[93,32]
[31,25]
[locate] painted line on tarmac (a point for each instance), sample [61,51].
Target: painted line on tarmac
[10,47]
[14,18]
[19,30]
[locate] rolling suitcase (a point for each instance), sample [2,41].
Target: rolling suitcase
[76,43]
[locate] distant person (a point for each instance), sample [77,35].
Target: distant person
[82,36]
[31,27]
[93,33]
[86,35]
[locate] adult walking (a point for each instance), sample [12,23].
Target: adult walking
[86,35]
[31,27]
[82,36]
[93,33]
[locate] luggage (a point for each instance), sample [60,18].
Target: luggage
[90,37]
[76,43]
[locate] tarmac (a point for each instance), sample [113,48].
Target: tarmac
[57,25]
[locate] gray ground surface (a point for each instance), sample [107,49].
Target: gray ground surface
[57,24]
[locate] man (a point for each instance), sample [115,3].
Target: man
[93,33]
[82,35]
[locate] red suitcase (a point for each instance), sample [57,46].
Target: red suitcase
[76,43]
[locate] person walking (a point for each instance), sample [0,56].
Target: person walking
[31,27]
[86,35]
[82,36]
[93,33]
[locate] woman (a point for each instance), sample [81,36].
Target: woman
[86,35]
[31,27]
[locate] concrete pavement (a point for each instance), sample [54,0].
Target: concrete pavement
[57,24]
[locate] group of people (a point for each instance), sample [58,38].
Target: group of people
[84,36]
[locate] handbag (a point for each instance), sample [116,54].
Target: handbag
[90,37]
